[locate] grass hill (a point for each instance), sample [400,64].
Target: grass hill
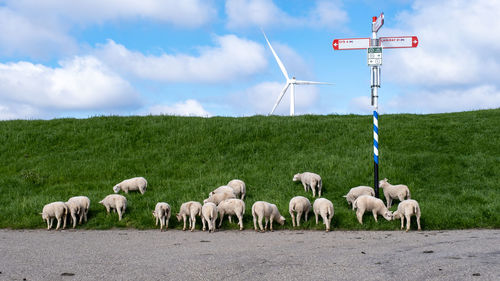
[451,162]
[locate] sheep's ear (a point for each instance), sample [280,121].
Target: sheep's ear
[385,179]
[345,196]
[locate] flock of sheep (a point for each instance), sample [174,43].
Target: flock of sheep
[229,200]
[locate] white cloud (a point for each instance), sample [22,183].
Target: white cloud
[21,36]
[187,108]
[261,98]
[454,65]
[232,58]
[186,13]
[30,90]
[264,13]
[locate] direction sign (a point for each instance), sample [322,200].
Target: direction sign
[375,56]
[378,22]
[351,44]
[399,42]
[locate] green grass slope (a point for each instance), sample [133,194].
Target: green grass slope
[451,162]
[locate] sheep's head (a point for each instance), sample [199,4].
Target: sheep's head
[116,188]
[281,220]
[296,177]
[44,216]
[179,217]
[388,215]
[396,215]
[383,182]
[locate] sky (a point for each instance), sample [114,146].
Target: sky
[207,58]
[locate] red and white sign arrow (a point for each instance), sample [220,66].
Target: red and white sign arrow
[385,42]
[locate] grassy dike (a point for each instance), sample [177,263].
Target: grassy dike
[451,162]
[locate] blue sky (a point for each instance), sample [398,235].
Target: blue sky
[62,58]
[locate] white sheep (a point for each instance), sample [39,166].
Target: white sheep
[310,181]
[57,210]
[222,189]
[323,207]
[399,191]
[231,207]
[270,212]
[369,203]
[357,191]
[73,210]
[209,214]
[116,202]
[238,187]
[406,209]
[216,198]
[138,183]
[301,205]
[191,209]
[162,213]
[84,204]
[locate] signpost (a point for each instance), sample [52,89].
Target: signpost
[374,47]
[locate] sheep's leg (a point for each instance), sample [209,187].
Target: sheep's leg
[375,216]
[408,217]
[243,196]
[316,215]
[82,212]
[86,212]
[319,191]
[166,221]
[271,223]
[203,222]
[119,211]
[58,223]
[418,221]
[73,217]
[326,221]
[329,222]
[402,222]
[305,187]
[255,223]
[107,209]
[293,218]
[307,213]
[230,218]
[240,221]
[194,223]
[299,214]
[221,218]
[49,224]
[401,198]
[262,229]
[389,202]
[359,215]
[267,222]
[184,218]
[313,190]
[156,221]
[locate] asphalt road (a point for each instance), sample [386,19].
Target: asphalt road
[248,255]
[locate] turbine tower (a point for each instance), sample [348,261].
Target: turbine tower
[289,82]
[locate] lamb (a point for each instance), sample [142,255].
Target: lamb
[116,202]
[369,203]
[216,198]
[209,214]
[238,187]
[355,192]
[222,189]
[270,212]
[84,204]
[301,205]
[406,209]
[231,207]
[73,210]
[399,191]
[191,209]
[138,183]
[162,213]
[323,207]
[310,181]
[57,210]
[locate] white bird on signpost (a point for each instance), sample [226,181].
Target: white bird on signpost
[289,82]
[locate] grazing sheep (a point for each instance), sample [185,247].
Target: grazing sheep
[73,210]
[116,202]
[191,209]
[323,207]
[270,212]
[369,203]
[57,210]
[138,183]
[216,198]
[209,214]
[399,191]
[310,181]
[162,213]
[355,192]
[406,209]
[231,207]
[222,189]
[301,205]
[84,203]
[239,188]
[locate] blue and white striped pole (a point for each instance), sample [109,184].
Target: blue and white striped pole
[375,84]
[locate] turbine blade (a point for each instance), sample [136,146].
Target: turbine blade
[276,57]
[280,97]
[312,83]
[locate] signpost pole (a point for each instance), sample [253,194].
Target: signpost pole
[375,84]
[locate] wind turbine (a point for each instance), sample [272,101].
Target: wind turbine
[289,82]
